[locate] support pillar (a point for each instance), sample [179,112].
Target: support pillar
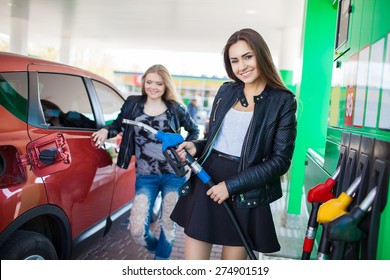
[19,26]
[313,91]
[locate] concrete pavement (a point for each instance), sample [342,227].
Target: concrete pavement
[118,244]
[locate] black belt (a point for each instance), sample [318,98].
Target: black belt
[230,157]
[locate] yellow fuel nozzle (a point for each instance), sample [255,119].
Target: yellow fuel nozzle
[336,207]
[333,208]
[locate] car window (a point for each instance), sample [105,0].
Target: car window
[65,101]
[13,93]
[110,101]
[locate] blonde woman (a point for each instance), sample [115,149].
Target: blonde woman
[160,107]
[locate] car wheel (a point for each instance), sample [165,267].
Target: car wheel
[28,245]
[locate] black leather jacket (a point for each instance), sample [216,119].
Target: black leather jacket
[268,145]
[132,108]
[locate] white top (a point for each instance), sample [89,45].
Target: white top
[231,136]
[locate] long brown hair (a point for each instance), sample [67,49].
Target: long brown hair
[170,88]
[262,53]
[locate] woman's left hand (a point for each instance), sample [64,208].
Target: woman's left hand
[218,193]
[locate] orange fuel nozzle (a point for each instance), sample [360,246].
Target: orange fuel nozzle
[336,207]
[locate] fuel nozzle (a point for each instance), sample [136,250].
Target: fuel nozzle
[323,192]
[345,227]
[316,196]
[338,206]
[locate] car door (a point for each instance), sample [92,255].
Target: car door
[111,102]
[84,190]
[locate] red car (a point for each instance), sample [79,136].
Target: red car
[58,193]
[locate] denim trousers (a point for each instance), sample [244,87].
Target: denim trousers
[147,188]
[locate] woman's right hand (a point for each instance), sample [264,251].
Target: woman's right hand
[184,148]
[99,137]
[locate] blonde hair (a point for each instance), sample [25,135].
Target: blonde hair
[170,93]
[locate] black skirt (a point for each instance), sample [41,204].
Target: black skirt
[205,220]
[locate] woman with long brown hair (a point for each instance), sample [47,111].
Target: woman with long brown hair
[249,146]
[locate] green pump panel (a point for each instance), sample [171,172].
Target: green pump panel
[344,126]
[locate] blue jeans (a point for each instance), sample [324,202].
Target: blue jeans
[147,188]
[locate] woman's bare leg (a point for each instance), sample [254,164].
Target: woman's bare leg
[234,253]
[196,249]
